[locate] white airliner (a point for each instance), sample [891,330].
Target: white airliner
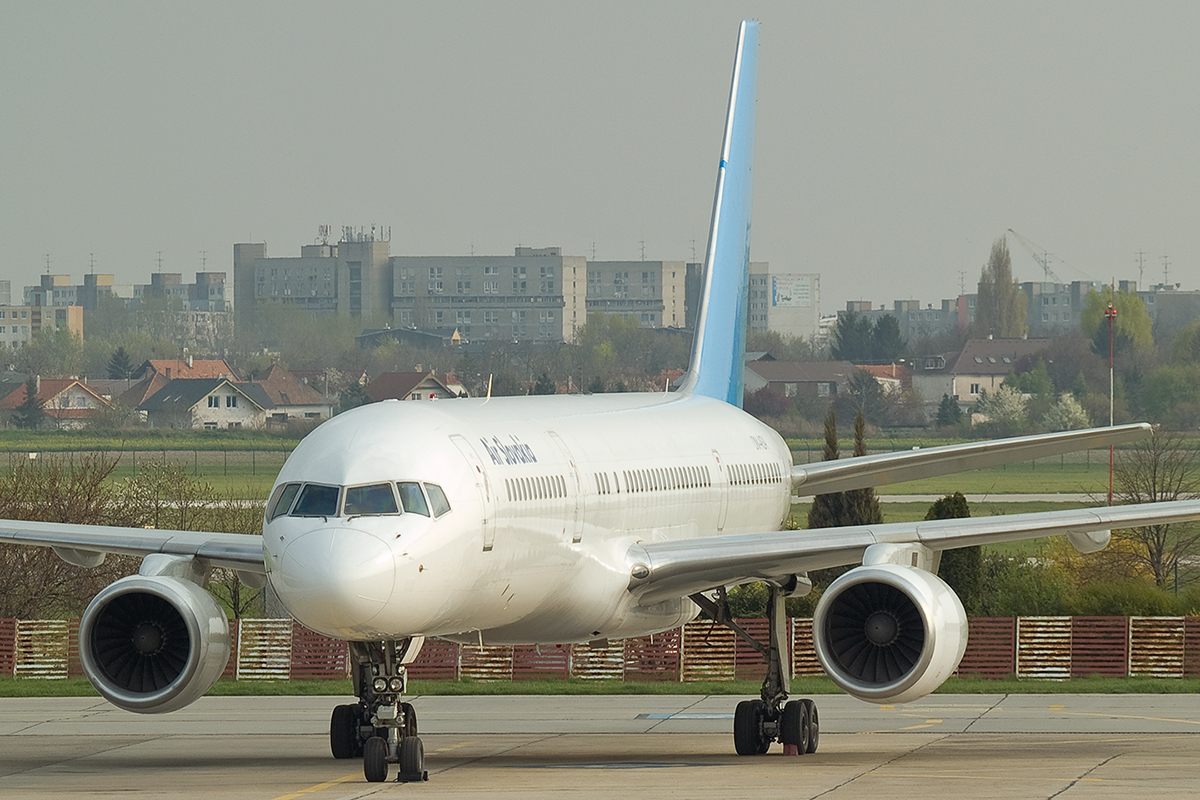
[569,519]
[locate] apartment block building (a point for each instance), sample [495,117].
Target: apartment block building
[535,294]
[653,293]
[787,303]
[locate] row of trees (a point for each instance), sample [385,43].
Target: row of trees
[35,583]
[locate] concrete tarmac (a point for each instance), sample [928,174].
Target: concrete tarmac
[945,746]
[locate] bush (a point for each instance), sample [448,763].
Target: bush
[1125,599]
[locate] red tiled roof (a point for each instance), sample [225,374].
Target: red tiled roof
[284,390]
[199,368]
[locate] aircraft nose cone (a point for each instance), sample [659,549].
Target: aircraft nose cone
[334,579]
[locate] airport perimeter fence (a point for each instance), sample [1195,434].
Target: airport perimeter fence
[1055,648]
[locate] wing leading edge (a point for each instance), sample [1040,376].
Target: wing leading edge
[843,475]
[83,544]
[665,570]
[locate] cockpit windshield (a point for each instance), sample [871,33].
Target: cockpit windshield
[317,501]
[413,499]
[375,499]
[378,498]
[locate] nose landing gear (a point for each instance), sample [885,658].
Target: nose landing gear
[380,727]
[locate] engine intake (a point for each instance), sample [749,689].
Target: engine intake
[889,633]
[153,644]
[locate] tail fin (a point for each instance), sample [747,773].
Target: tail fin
[719,346]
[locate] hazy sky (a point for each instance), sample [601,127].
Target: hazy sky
[895,140]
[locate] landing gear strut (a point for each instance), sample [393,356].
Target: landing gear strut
[757,723]
[380,728]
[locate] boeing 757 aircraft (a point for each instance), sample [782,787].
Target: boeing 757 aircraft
[569,519]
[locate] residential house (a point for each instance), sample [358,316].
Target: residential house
[982,364]
[209,403]
[292,399]
[813,379]
[68,403]
[408,386]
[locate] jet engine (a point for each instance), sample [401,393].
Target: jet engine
[153,644]
[889,633]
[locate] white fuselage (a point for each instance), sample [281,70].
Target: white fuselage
[546,496]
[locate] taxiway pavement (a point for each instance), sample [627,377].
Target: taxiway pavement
[945,746]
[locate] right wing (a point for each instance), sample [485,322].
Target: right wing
[825,477]
[671,569]
[84,544]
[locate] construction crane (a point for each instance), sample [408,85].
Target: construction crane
[1040,255]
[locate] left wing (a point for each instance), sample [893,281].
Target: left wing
[85,545]
[824,477]
[665,570]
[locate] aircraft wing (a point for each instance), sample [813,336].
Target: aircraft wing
[824,477]
[77,544]
[666,570]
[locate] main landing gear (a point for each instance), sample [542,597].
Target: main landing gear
[757,723]
[380,728]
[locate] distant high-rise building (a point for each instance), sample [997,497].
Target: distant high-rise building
[787,303]
[652,293]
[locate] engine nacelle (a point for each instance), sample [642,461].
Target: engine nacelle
[153,644]
[888,633]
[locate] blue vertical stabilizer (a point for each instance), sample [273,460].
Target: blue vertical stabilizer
[719,346]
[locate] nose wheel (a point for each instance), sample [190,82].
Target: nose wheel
[380,728]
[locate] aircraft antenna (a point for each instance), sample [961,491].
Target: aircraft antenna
[489,389]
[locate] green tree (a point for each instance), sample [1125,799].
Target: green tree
[961,568]
[1001,306]
[851,339]
[120,366]
[1066,415]
[544,385]
[1131,328]
[29,414]
[861,505]
[949,413]
[887,343]
[827,510]
[353,396]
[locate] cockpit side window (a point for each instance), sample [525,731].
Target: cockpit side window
[437,499]
[412,498]
[284,495]
[317,501]
[378,498]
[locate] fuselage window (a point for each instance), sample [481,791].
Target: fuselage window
[378,498]
[437,499]
[412,499]
[317,501]
[284,496]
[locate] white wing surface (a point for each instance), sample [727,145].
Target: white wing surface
[84,544]
[824,477]
[663,570]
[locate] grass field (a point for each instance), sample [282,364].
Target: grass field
[79,687]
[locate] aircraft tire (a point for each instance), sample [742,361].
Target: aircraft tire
[794,726]
[748,739]
[412,758]
[375,766]
[814,725]
[343,732]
